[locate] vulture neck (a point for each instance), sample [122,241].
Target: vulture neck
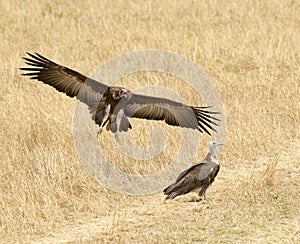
[212,157]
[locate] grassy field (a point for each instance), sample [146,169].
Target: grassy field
[251,51]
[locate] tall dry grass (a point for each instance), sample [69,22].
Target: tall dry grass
[250,49]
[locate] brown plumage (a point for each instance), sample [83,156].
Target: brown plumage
[114,105]
[198,177]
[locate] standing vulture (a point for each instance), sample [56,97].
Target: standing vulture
[114,105]
[198,177]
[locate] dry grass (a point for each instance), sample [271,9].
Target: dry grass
[251,51]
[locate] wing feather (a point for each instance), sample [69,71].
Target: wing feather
[173,113]
[64,79]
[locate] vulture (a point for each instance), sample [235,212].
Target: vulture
[112,105]
[198,177]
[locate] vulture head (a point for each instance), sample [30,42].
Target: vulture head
[118,93]
[214,144]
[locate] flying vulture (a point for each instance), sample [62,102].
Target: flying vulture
[113,105]
[198,177]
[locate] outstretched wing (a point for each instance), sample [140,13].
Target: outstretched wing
[64,79]
[173,113]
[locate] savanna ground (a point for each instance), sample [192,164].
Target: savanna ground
[250,50]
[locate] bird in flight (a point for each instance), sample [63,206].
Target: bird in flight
[198,177]
[113,106]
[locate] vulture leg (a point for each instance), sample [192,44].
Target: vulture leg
[120,116]
[105,118]
[99,130]
[117,128]
[202,192]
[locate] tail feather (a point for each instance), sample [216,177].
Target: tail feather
[171,191]
[172,195]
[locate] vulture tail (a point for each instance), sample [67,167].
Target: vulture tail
[172,195]
[170,189]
